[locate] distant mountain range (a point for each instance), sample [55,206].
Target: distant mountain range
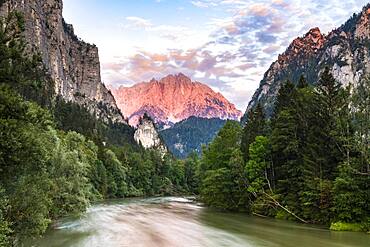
[345,50]
[173,99]
[189,135]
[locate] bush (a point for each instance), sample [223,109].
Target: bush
[352,227]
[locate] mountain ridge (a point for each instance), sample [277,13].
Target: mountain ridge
[345,50]
[172,99]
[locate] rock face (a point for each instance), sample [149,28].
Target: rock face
[147,135]
[72,64]
[345,50]
[172,99]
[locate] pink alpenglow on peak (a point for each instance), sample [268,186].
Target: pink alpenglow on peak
[173,99]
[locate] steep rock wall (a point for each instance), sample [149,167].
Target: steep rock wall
[72,64]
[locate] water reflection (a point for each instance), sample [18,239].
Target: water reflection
[172,222]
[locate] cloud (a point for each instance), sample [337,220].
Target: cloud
[260,10]
[241,45]
[137,22]
[265,37]
[169,32]
[204,4]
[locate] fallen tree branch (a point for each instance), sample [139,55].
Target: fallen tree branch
[284,208]
[260,215]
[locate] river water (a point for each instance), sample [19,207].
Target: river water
[172,222]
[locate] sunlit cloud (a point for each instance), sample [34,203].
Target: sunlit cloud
[228,44]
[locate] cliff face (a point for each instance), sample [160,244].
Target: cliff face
[72,64]
[147,135]
[172,99]
[345,50]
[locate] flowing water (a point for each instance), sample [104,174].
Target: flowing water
[172,222]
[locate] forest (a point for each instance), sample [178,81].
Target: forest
[310,162]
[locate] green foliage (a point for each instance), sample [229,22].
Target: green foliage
[191,133]
[116,175]
[302,83]
[43,173]
[255,126]
[191,173]
[284,98]
[227,140]
[340,226]
[4,224]
[23,72]
[71,116]
[223,180]
[259,162]
[71,190]
[216,189]
[310,164]
[352,195]
[30,205]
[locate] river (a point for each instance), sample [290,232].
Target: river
[172,222]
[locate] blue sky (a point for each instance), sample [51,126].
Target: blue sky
[228,44]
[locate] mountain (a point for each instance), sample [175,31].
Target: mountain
[346,50]
[172,99]
[72,64]
[189,135]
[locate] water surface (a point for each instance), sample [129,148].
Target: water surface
[172,222]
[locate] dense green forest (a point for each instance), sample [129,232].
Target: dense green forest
[190,135]
[310,162]
[56,158]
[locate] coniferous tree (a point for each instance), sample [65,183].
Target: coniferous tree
[284,133]
[255,126]
[287,159]
[302,83]
[324,151]
[351,186]
[223,182]
[284,98]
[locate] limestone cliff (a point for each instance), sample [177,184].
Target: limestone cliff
[345,50]
[147,135]
[71,63]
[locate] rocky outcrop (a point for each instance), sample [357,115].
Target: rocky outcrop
[172,99]
[71,63]
[147,135]
[345,50]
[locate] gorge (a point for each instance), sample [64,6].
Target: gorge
[171,161]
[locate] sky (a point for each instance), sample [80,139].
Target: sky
[227,44]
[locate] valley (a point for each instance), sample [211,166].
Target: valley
[172,161]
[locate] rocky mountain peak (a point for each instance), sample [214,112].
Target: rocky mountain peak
[177,79]
[310,43]
[345,50]
[363,24]
[172,99]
